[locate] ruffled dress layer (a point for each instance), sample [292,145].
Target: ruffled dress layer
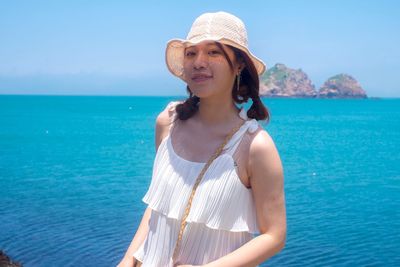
[222,217]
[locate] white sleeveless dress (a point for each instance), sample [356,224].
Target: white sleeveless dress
[222,217]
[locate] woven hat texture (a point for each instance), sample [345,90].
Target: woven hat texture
[220,27]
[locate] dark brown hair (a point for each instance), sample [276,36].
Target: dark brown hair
[249,88]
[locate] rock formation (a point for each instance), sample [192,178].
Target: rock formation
[5,261]
[281,81]
[341,86]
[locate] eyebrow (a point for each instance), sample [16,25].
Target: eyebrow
[208,44]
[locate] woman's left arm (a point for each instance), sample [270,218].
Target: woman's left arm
[266,172]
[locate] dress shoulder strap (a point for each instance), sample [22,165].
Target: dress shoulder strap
[250,125]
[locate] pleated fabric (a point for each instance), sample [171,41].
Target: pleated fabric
[222,216]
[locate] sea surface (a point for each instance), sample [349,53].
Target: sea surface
[73,171]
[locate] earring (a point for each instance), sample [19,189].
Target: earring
[238,86]
[238,81]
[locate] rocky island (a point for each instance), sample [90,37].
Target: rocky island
[341,86]
[281,81]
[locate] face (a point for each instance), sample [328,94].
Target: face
[207,71]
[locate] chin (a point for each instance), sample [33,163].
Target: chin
[201,92]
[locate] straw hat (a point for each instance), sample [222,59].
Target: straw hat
[222,27]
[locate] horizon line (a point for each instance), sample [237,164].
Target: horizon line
[141,95]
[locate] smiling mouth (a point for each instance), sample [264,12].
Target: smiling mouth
[201,78]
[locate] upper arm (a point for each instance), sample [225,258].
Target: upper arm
[266,176]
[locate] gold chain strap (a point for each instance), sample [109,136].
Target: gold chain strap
[217,152]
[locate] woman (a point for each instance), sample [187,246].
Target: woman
[203,210]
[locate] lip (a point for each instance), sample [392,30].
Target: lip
[201,77]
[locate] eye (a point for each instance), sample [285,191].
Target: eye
[214,52]
[189,53]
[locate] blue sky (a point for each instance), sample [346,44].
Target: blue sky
[117,47]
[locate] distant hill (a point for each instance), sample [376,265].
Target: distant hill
[281,81]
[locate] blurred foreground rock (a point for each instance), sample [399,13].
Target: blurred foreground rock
[5,261]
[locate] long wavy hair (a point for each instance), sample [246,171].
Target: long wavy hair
[249,87]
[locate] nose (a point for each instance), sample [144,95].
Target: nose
[201,60]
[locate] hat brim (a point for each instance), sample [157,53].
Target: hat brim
[174,54]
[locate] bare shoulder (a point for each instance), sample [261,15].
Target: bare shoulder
[263,155]
[163,118]
[163,122]
[261,142]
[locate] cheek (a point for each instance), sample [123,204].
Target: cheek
[185,64]
[185,71]
[224,71]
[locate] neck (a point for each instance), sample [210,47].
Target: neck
[215,111]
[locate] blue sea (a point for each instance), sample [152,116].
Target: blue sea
[73,170]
